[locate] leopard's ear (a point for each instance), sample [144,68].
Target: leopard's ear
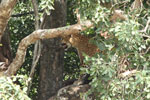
[65,39]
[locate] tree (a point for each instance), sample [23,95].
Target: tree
[5,55]
[51,61]
[121,28]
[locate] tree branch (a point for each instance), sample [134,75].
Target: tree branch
[37,46]
[42,34]
[35,7]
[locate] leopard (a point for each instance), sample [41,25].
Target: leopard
[82,44]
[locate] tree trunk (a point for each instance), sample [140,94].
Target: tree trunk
[6,8]
[5,51]
[51,62]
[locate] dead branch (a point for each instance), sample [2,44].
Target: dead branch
[35,7]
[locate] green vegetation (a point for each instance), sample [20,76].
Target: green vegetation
[126,50]
[11,91]
[121,71]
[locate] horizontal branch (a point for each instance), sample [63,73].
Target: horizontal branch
[42,34]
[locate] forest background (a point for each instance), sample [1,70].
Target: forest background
[35,65]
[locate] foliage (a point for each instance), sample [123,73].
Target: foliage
[47,5]
[71,18]
[11,91]
[127,48]
[71,64]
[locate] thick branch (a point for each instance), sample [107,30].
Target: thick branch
[42,34]
[6,8]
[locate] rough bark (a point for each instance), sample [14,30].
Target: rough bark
[6,8]
[51,61]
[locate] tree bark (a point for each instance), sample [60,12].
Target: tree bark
[51,62]
[6,8]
